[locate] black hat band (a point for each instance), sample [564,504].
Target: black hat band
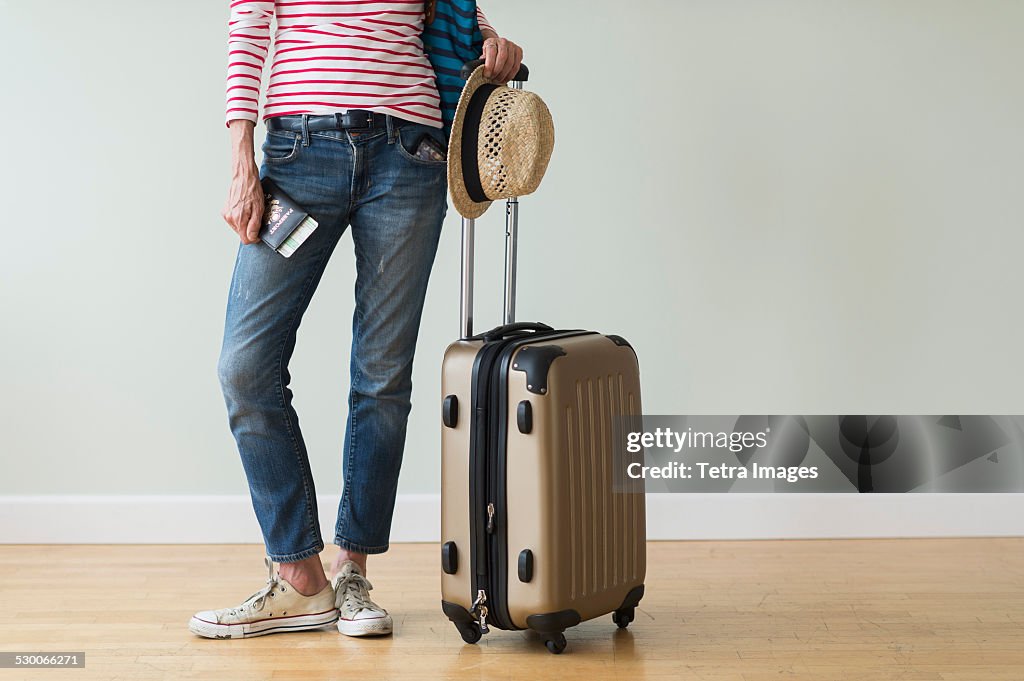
[471,140]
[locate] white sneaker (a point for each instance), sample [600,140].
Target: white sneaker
[275,608]
[358,615]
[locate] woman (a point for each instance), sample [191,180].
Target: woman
[354,136]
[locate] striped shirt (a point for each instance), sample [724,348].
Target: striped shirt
[330,57]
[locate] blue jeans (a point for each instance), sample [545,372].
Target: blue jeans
[395,204]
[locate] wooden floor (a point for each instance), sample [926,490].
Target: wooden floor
[943,609]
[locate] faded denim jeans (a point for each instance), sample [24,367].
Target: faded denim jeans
[394,203]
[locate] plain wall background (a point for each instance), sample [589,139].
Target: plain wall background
[787,207]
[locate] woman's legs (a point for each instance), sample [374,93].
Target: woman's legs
[396,219]
[396,204]
[396,223]
[268,296]
[266,303]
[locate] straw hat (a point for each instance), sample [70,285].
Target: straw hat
[500,144]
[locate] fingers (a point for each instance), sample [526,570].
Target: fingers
[238,219]
[243,210]
[235,216]
[515,60]
[501,60]
[252,227]
[489,55]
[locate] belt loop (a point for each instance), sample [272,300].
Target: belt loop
[305,130]
[391,128]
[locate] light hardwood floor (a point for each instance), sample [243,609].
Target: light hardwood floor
[922,609]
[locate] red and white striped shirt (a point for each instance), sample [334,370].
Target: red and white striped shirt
[331,57]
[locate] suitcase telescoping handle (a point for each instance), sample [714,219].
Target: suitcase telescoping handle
[470,66]
[511,238]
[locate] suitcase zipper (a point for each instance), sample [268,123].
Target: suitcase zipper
[485,490]
[481,610]
[482,520]
[495,458]
[487,468]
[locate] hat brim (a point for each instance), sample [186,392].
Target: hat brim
[467,207]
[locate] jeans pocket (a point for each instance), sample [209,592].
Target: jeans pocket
[410,136]
[281,147]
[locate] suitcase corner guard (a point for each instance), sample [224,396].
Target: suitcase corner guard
[553,622]
[632,599]
[625,613]
[456,613]
[535,361]
[618,340]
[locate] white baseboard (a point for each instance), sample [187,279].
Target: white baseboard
[160,519]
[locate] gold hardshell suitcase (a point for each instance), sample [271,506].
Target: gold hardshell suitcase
[534,535]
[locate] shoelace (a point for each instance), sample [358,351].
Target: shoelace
[349,589]
[258,599]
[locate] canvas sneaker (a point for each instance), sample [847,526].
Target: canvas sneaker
[358,615]
[275,608]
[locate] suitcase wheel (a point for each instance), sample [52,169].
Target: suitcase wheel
[623,617]
[555,643]
[470,631]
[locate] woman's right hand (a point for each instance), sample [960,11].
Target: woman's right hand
[243,210]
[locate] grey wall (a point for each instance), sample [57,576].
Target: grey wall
[787,207]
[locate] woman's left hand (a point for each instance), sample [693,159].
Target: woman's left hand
[501,56]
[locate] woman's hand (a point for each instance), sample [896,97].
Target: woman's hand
[501,56]
[243,210]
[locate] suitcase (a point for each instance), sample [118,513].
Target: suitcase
[534,533]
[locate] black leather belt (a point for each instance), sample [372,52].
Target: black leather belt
[353,119]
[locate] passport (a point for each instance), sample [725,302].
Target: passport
[285,224]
